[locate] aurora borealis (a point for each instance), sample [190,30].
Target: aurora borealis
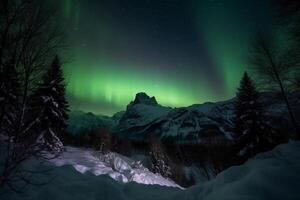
[180,51]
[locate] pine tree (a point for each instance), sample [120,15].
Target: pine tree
[248,121]
[50,105]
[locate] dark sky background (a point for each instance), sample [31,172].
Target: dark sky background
[180,51]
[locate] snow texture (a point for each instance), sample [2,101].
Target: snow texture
[272,175]
[116,166]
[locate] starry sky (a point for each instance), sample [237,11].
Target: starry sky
[182,52]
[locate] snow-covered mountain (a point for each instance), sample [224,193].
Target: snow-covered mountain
[142,119]
[144,116]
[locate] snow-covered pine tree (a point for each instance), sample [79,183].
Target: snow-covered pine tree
[248,121]
[50,104]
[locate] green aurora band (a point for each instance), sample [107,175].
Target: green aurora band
[118,88]
[105,85]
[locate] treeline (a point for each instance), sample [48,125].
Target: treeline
[33,108]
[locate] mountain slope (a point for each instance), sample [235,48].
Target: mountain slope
[144,117]
[196,122]
[79,122]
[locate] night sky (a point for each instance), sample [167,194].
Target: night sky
[180,51]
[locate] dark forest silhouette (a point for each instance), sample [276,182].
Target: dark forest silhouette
[29,42]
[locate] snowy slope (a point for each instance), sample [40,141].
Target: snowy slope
[196,122]
[272,175]
[141,112]
[114,165]
[142,119]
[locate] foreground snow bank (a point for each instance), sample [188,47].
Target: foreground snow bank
[116,166]
[271,175]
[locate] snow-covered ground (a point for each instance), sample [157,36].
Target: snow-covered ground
[270,175]
[114,165]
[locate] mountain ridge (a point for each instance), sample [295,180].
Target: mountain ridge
[144,116]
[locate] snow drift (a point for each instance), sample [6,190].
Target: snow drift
[118,167]
[270,175]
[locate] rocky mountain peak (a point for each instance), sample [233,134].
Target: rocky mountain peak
[143,98]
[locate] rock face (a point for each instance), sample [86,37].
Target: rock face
[143,98]
[141,112]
